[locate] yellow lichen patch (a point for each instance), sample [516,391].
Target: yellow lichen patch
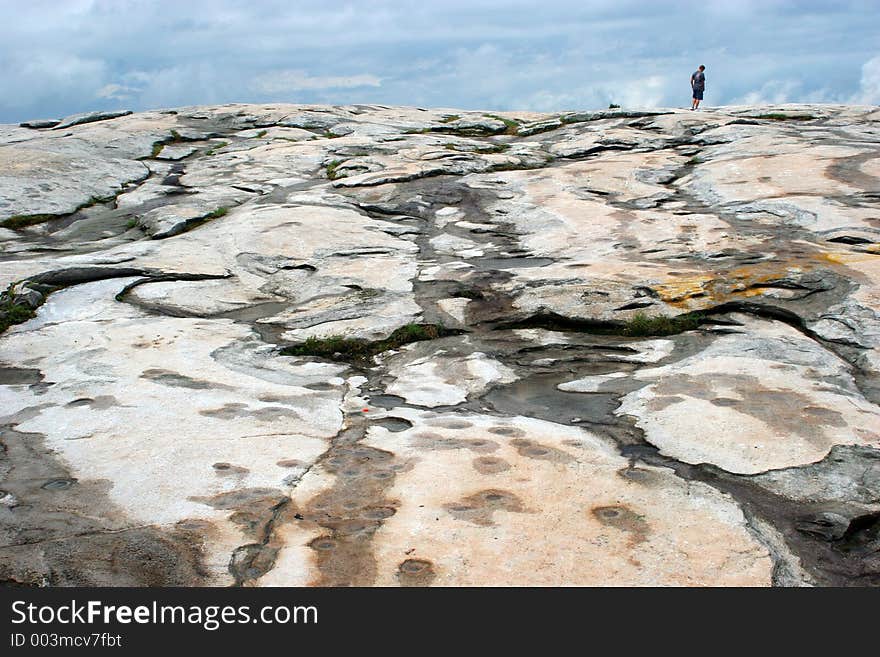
[848,258]
[750,280]
[679,290]
[702,291]
[751,292]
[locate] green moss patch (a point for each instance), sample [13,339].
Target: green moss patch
[25,220]
[339,348]
[11,314]
[512,126]
[642,324]
[216,214]
[331,170]
[214,149]
[639,325]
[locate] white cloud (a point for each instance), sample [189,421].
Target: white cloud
[772,92]
[46,78]
[116,92]
[869,87]
[291,80]
[644,92]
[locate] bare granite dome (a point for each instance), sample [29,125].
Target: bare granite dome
[369,345]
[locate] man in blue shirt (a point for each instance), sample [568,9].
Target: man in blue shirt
[698,84]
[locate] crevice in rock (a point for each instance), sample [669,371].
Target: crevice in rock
[165,277]
[22,221]
[361,351]
[251,561]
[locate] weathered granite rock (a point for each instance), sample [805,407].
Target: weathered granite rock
[663,370]
[775,398]
[40,123]
[89,117]
[74,176]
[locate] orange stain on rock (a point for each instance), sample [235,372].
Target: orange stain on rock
[703,291]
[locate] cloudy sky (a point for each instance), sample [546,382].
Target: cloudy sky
[58,57]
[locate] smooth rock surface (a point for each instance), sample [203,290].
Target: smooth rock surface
[575,424]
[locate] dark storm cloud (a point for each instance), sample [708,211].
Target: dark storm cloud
[66,56]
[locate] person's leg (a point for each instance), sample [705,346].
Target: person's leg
[697,104]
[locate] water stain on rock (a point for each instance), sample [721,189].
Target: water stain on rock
[665,401]
[225,469]
[480,507]
[640,476]
[450,424]
[99,403]
[67,532]
[490,465]
[320,386]
[11,376]
[781,409]
[352,510]
[279,399]
[624,519]
[177,380]
[232,411]
[416,572]
[324,544]
[426,440]
[825,416]
[252,561]
[507,431]
[254,509]
[58,484]
[534,450]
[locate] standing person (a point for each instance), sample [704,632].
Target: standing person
[698,84]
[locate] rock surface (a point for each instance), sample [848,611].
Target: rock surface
[659,360]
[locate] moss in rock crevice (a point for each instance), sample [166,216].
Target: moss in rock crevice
[213,150]
[331,170]
[511,127]
[12,313]
[337,347]
[216,214]
[642,324]
[639,325]
[24,220]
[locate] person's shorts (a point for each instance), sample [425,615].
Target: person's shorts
[698,94]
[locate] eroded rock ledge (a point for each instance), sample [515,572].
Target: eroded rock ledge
[627,347]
